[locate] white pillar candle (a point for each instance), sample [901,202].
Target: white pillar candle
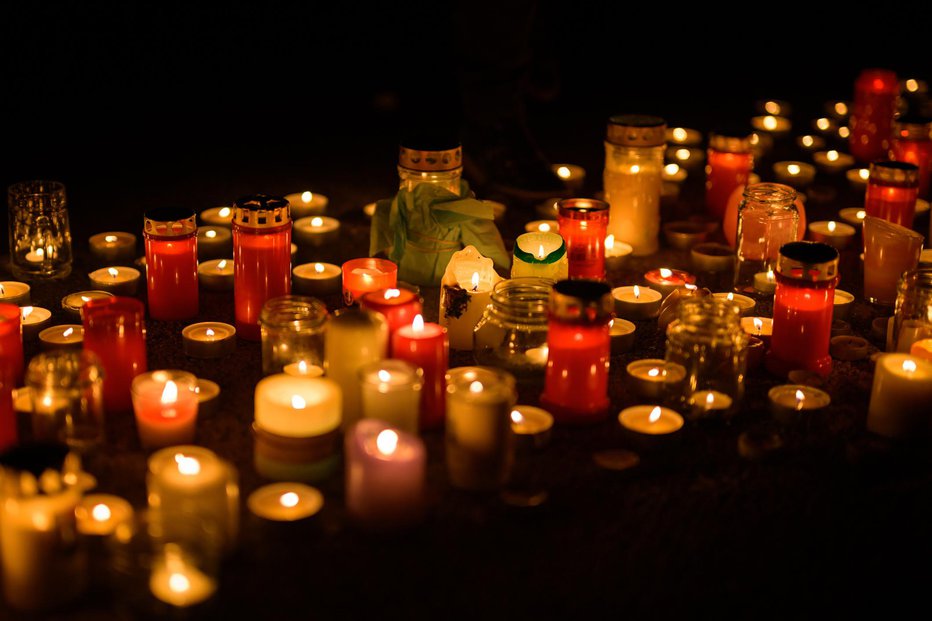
[465,293]
[354,337]
[73,302]
[99,515]
[636,302]
[34,320]
[316,230]
[316,279]
[307,203]
[216,274]
[209,339]
[391,392]
[65,335]
[217,216]
[541,255]
[113,247]
[900,396]
[297,407]
[13,292]
[116,280]
[214,242]
[285,502]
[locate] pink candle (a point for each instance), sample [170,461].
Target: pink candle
[399,306]
[363,275]
[385,473]
[665,280]
[165,403]
[425,345]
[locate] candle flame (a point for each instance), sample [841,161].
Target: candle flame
[912,85]
[679,134]
[793,169]
[84,298]
[39,252]
[306,197]
[654,415]
[730,297]
[653,372]
[909,366]
[800,397]
[2,290]
[860,215]
[832,155]
[101,513]
[770,122]
[384,375]
[302,367]
[609,242]
[319,268]
[47,401]
[298,402]
[772,107]
[110,238]
[758,324]
[637,292]
[210,234]
[543,227]
[831,226]
[843,132]
[418,324]
[864,174]
[288,500]
[635,169]
[516,417]
[387,442]
[317,221]
[540,251]
[709,400]
[563,172]
[671,169]
[807,140]
[224,212]
[690,287]
[170,393]
[841,108]
[210,332]
[665,273]
[222,264]
[26,311]
[823,123]
[113,272]
[475,281]
[391,293]
[770,276]
[187,465]
[178,583]
[682,154]
[476,387]
[68,332]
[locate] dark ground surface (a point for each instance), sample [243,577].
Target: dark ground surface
[836,522]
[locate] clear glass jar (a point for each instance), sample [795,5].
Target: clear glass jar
[707,340]
[512,333]
[67,393]
[767,219]
[632,179]
[40,235]
[292,328]
[913,315]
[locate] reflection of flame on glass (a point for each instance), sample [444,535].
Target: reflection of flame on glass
[298,402]
[654,415]
[288,499]
[386,442]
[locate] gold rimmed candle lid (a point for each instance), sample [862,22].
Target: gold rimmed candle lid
[430,154]
[261,211]
[582,301]
[805,260]
[636,130]
[170,222]
[898,174]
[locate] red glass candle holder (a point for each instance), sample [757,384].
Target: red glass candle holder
[729,165]
[583,225]
[892,191]
[425,345]
[579,346]
[114,329]
[171,263]
[399,306]
[807,273]
[261,258]
[872,111]
[912,142]
[11,369]
[367,274]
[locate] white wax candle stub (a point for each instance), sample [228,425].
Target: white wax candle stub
[650,420]
[13,292]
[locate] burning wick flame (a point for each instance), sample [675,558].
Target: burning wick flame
[831,226]
[302,367]
[26,311]
[793,169]
[298,402]
[384,376]
[306,197]
[635,169]
[912,85]
[113,272]
[288,500]
[807,141]
[179,583]
[317,221]
[475,281]
[418,324]
[170,393]
[730,297]
[679,134]
[709,401]
[758,325]
[654,415]
[770,122]
[563,172]
[671,169]
[800,397]
[224,212]
[392,293]
[909,366]
[543,227]
[682,154]
[476,387]
[832,155]
[68,332]
[210,234]
[187,465]
[101,513]
[222,264]
[864,174]
[210,332]
[84,298]
[665,273]
[822,123]
[387,442]
[653,372]
[319,268]
[2,290]
[860,215]
[516,417]
[637,292]
[110,238]
[540,252]
[841,108]
[770,275]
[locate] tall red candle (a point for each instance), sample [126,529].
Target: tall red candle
[892,191]
[171,263]
[399,306]
[261,258]
[807,273]
[875,93]
[583,225]
[728,167]
[114,329]
[912,142]
[425,345]
[579,346]
[11,343]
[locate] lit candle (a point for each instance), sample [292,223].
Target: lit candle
[796,174]
[573,176]
[113,247]
[316,231]
[114,330]
[116,280]
[838,109]
[285,502]
[765,283]
[901,383]
[217,216]
[398,306]
[835,234]
[354,337]
[853,216]
[209,339]
[841,306]
[216,274]
[872,113]
[824,125]
[98,515]
[542,226]
[684,136]
[541,255]
[34,320]
[74,302]
[761,327]
[583,226]
[810,143]
[709,404]
[621,332]
[665,280]
[166,407]
[646,424]
[214,242]
[531,426]
[651,377]
[366,274]
[176,579]
[465,293]
[13,292]
[730,163]
[307,203]
[889,250]
[316,279]
[207,393]
[170,236]
[745,303]
[391,392]
[790,402]
[369,209]
[684,234]
[688,158]
[847,347]
[774,124]
[302,368]
[636,302]
[65,335]
[892,190]
[616,250]
[858,178]
[674,172]
[832,161]
[426,346]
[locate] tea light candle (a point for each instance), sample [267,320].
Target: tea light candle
[621,331]
[824,125]
[542,226]
[674,172]
[809,142]
[709,404]
[285,502]
[531,425]
[839,328]
[98,515]
[366,274]
[72,303]
[34,320]
[842,304]
[901,382]
[13,292]
[765,282]
[684,136]
[353,338]
[665,280]
[209,339]
[177,581]
[636,302]
[836,234]
[465,293]
[316,230]
[166,407]
[307,203]
[761,327]
[615,250]
[302,368]
[853,216]
[688,158]
[67,335]
[113,247]
[214,242]
[651,376]
[921,349]
[316,279]
[795,174]
[650,420]
[541,255]
[789,402]
[774,124]
[848,348]
[217,216]
[570,174]
[391,392]
[216,274]
[207,393]
[745,303]
[832,161]
[684,234]
[858,178]
[116,280]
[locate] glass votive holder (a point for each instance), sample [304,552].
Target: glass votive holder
[165,403]
[367,274]
[40,236]
[67,393]
[889,250]
[391,392]
[292,328]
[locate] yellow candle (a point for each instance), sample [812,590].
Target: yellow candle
[900,396]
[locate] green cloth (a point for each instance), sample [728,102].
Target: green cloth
[421,229]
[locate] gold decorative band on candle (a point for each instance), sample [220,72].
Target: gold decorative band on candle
[260,211]
[286,458]
[429,157]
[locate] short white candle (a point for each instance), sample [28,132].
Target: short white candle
[100,514]
[765,282]
[636,302]
[302,368]
[116,280]
[285,502]
[307,203]
[65,335]
[842,304]
[772,124]
[209,339]
[214,242]
[745,303]
[900,396]
[73,302]
[674,172]
[853,216]
[531,425]
[317,279]
[836,234]
[572,175]
[113,247]
[391,392]
[298,407]
[217,216]
[621,332]
[684,136]
[216,274]
[316,230]
[652,420]
[810,142]
[650,376]
[13,292]
[761,327]
[34,320]
[832,161]
[790,401]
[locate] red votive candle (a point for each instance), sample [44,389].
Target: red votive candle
[728,167]
[171,262]
[398,306]
[912,142]
[807,273]
[114,329]
[425,345]
[367,274]
[261,258]
[579,346]
[583,225]
[875,93]
[11,343]
[892,190]
[166,408]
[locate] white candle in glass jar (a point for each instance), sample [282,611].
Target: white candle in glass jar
[116,280]
[900,396]
[354,337]
[391,392]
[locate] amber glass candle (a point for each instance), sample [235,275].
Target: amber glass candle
[872,111]
[171,263]
[892,190]
[729,165]
[583,225]
[912,142]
